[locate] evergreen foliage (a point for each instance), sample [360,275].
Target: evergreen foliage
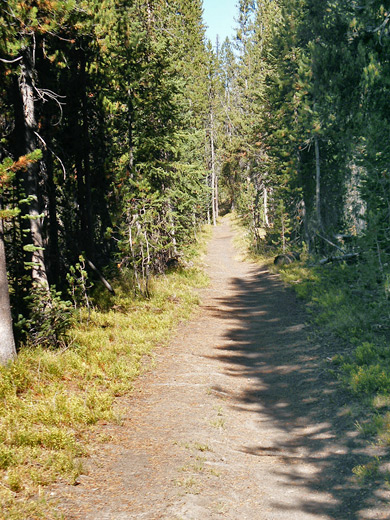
[304,123]
[114,93]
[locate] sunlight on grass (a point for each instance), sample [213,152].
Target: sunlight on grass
[50,399]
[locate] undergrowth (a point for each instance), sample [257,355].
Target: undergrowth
[51,399]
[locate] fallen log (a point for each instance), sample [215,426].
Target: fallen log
[348,257]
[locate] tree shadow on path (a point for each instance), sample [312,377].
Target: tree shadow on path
[296,398]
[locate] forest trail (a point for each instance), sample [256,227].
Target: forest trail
[238,420]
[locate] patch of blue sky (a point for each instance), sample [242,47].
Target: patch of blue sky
[219,17]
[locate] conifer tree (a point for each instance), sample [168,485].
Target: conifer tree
[31,25]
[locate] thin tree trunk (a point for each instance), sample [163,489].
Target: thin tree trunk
[283,234]
[82,151]
[89,243]
[130,118]
[308,238]
[318,183]
[207,181]
[213,171]
[216,195]
[173,228]
[54,250]
[265,202]
[26,87]
[7,342]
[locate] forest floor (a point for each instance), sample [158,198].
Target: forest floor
[238,419]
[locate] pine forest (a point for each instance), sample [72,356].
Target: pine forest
[124,132]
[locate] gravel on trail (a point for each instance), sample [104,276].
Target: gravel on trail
[237,420]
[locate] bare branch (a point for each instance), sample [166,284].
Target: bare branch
[102,279]
[51,151]
[331,243]
[381,26]
[60,37]
[11,61]
[45,94]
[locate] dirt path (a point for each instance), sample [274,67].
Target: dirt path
[237,421]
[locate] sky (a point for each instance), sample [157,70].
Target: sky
[219,16]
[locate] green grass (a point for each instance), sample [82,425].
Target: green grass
[51,400]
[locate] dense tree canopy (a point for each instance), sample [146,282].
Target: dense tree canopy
[306,92]
[114,95]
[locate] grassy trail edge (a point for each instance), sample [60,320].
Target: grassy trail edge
[53,401]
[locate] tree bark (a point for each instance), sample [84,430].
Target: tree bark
[82,154]
[130,119]
[173,228]
[26,87]
[53,245]
[7,342]
[283,233]
[308,237]
[216,195]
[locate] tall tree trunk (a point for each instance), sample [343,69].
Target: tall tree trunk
[26,86]
[216,195]
[283,232]
[89,243]
[82,163]
[171,220]
[318,183]
[54,250]
[130,119]
[7,342]
[214,204]
[265,202]
[207,179]
[306,229]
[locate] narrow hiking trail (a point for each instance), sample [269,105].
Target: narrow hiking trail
[238,420]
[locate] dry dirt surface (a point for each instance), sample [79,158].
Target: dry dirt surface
[237,420]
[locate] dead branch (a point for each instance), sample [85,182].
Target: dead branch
[11,61]
[51,151]
[331,243]
[101,277]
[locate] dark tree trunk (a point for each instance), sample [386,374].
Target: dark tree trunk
[318,183]
[83,168]
[53,246]
[89,243]
[130,119]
